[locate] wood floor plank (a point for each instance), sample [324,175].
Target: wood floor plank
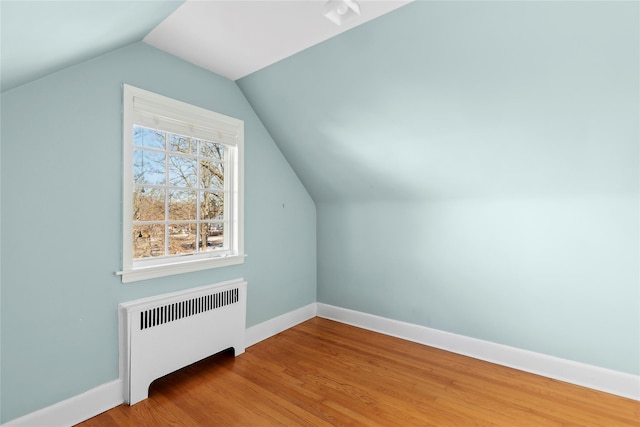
[507,382]
[324,373]
[266,374]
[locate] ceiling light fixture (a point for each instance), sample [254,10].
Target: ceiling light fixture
[341,11]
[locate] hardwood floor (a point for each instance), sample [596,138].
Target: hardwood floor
[324,373]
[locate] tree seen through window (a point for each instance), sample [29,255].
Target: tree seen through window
[178,194]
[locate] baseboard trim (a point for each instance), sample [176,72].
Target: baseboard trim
[594,377]
[271,327]
[75,409]
[106,396]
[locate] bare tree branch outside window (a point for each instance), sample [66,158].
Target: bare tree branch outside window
[178,195]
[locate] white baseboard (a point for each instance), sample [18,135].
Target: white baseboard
[75,409]
[271,327]
[594,377]
[106,396]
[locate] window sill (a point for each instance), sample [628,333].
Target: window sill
[155,271]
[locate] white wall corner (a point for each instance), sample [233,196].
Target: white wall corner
[594,377]
[75,409]
[271,327]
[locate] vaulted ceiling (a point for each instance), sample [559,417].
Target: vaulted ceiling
[232,38]
[236,38]
[474,99]
[41,37]
[433,99]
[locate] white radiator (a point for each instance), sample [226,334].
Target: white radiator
[161,334]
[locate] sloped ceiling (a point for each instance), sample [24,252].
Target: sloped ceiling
[236,38]
[41,37]
[232,38]
[462,99]
[435,99]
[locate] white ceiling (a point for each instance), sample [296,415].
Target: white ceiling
[236,38]
[229,37]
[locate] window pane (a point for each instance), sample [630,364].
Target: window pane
[148,167]
[211,150]
[182,171]
[143,137]
[148,240]
[182,239]
[182,144]
[212,175]
[148,204]
[213,235]
[182,205]
[212,206]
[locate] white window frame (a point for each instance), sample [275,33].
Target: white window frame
[148,109]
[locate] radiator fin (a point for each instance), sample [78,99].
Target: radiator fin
[175,311]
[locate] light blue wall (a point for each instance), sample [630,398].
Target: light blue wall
[475,167]
[61,215]
[29,51]
[557,276]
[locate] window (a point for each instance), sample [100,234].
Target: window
[182,206]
